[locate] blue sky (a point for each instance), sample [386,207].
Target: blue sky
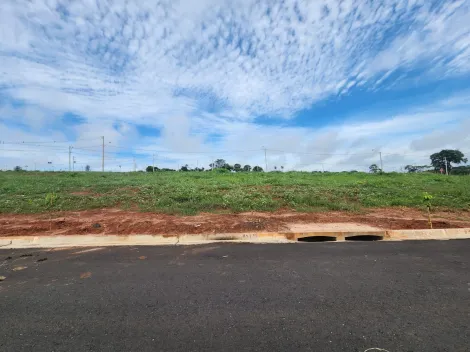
[317,83]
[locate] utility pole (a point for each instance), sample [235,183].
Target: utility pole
[265,160]
[134,164]
[445,161]
[153,163]
[102,154]
[70,154]
[322,168]
[73,165]
[381,163]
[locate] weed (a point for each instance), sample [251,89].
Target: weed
[427,198]
[50,198]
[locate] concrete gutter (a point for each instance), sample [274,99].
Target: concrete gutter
[395,235]
[288,237]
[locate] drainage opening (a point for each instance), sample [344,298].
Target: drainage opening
[225,238]
[317,239]
[364,238]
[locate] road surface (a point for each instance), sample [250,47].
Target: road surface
[396,296]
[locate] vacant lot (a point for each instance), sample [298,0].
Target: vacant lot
[208,202]
[191,193]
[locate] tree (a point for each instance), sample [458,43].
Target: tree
[87,168]
[416,168]
[461,170]
[411,168]
[374,169]
[218,164]
[149,168]
[257,169]
[447,156]
[247,168]
[18,168]
[184,168]
[227,167]
[237,167]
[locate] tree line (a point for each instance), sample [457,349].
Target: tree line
[220,165]
[443,162]
[440,162]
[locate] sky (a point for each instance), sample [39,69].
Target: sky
[303,85]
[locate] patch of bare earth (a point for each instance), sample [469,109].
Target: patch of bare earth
[81,193]
[121,222]
[85,192]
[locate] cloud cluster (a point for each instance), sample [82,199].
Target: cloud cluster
[154,63]
[122,58]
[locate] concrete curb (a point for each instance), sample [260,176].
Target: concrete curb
[133,240]
[435,234]
[288,237]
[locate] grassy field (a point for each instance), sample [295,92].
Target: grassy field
[191,192]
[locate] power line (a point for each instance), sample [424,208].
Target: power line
[39,146]
[184,152]
[36,151]
[84,148]
[89,152]
[25,150]
[130,150]
[318,154]
[52,142]
[127,155]
[50,147]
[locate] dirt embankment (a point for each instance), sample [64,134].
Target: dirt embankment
[120,222]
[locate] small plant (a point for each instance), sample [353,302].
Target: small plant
[427,198]
[50,198]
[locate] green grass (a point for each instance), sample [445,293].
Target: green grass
[191,192]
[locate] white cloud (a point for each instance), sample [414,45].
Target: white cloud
[344,146]
[456,135]
[438,39]
[146,62]
[127,58]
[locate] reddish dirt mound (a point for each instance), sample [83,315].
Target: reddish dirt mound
[114,221]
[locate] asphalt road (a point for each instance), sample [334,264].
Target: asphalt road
[396,296]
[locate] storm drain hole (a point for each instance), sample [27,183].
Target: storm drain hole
[225,238]
[317,239]
[364,238]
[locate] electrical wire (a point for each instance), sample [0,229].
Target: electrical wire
[52,142]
